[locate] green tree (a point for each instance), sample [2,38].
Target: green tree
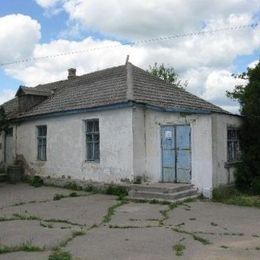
[248,172]
[4,122]
[167,74]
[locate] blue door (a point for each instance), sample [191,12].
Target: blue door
[176,153]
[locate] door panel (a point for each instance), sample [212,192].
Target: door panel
[176,153]
[183,149]
[168,153]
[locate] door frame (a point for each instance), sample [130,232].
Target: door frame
[175,125]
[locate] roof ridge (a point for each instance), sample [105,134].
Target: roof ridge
[129,81]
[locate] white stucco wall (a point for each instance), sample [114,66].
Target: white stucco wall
[201,142]
[66,146]
[139,140]
[220,123]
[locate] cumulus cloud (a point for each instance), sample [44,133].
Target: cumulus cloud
[204,61]
[47,3]
[148,18]
[19,34]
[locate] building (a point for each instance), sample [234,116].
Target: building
[119,123]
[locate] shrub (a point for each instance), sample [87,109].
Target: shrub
[37,181]
[72,186]
[256,186]
[117,190]
[58,196]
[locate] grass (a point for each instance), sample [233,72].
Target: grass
[60,255]
[111,211]
[25,217]
[179,249]
[165,213]
[73,235]
[26,247]
[230,195]
[195,237]
[225,247]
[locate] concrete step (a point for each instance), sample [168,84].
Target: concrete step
[173,196]
[162,188]
[163,200]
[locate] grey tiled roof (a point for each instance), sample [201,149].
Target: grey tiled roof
[112,86]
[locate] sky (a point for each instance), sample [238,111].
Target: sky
[99,31]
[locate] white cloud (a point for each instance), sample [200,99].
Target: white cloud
[19,34]
[205,61]
[253,64]
[148,18]
[47,3]
[6,94]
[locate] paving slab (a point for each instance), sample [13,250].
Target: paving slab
[138,214]
[25,256]
[87,210]
[12,194]
[15,233]
[125,244]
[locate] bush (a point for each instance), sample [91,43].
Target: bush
[58,196]
[72,186]
[37,181]
[256,186]
[117,190]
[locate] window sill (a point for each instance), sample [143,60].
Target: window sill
[93,161]
[231,164]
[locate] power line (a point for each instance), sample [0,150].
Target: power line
[138,42]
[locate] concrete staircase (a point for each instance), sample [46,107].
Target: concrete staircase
[172,192]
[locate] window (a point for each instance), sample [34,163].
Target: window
[92,140]
[42,143]
[233,148]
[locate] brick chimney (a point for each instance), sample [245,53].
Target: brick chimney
[71,73]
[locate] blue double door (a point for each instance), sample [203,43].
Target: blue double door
[176,153]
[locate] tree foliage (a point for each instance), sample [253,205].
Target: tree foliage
[248,172]
[167,74]
[4,122]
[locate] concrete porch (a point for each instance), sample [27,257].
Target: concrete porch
[163,191]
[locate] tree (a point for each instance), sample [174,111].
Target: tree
[4,122]
[167,74]
[248,172]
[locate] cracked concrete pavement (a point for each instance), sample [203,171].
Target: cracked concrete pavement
[206,230]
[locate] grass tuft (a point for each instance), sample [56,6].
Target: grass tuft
[179,249]
[60,255]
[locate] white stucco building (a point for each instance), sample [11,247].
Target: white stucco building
[116,124]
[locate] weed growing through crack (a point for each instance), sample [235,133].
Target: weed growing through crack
[26,247]
[225,247]
[58,196]
[165,213]
[111,211]
[195,237]
[25,217]
[179,249]
[73,235]
[58,254]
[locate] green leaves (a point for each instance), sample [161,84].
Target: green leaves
[167,74]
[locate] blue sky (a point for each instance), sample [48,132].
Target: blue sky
[34,28]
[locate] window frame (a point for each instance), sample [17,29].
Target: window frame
[92,138]
[42,143]
[235,151]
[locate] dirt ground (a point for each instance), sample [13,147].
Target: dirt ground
[96,226]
